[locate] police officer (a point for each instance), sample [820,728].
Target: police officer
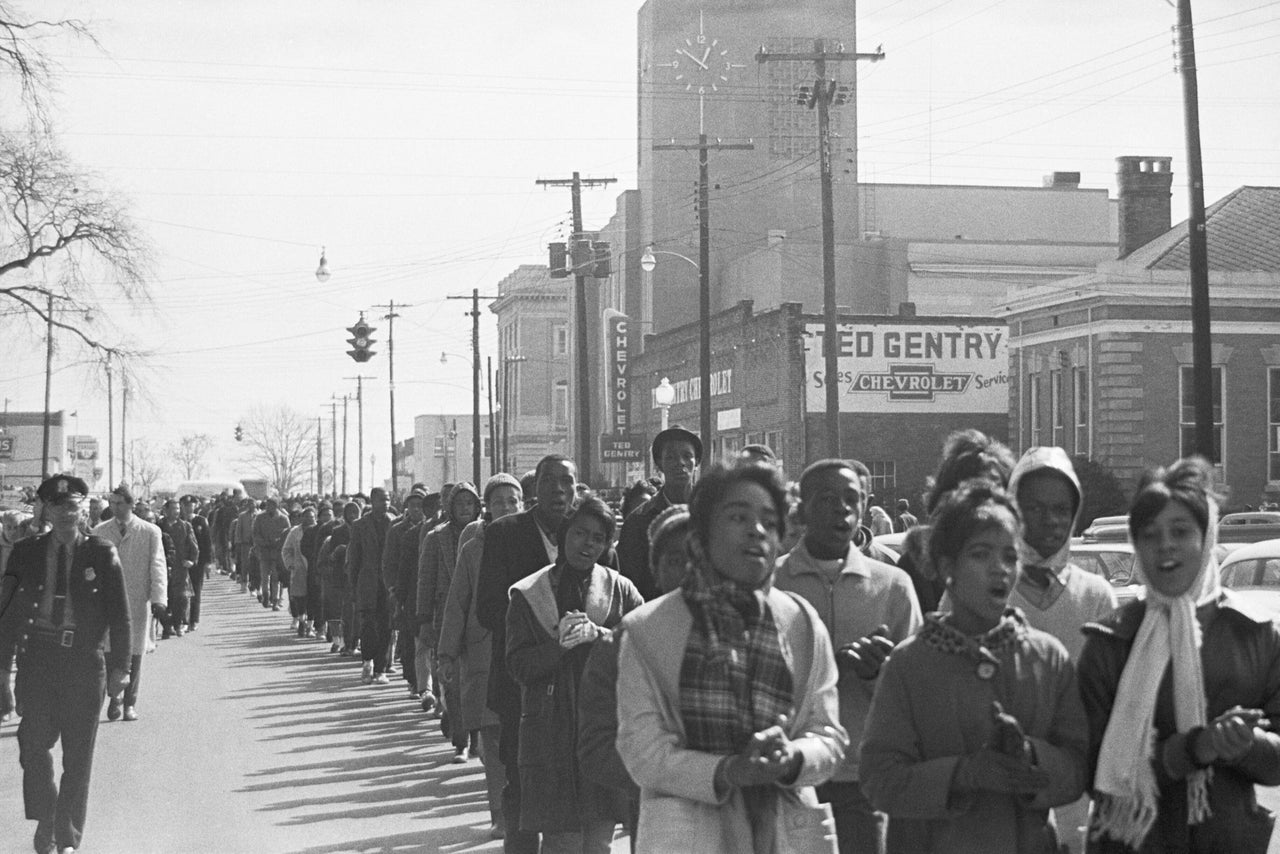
[61,594]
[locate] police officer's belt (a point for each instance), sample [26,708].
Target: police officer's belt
[57,637]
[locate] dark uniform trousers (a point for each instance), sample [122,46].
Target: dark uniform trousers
[61,692]
[62,675]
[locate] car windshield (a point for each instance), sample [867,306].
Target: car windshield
[1261,572]
[1116,567]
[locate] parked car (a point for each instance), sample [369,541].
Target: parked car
[891,543]
[1253,571]
[1115,562]
[1107,529]
[1253,527]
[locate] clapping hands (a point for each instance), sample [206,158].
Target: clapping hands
[864,656]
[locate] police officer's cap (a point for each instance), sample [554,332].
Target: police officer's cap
[60,487]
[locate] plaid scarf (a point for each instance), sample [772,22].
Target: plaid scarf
[734,680]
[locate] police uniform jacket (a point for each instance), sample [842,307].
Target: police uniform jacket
[97,591]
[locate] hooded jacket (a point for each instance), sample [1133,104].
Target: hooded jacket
[1074,597]
[438,556]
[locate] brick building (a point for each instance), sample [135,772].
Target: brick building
[909,382]
[1101,364]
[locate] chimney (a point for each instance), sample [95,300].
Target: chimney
[1145,186]
[1062,181]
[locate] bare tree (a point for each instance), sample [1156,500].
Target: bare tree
[27,66]
[61,230]
[145,465]
[280,445]
[189,453]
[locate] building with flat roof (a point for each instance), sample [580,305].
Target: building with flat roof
[1101,364]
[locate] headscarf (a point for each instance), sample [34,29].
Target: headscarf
[1034,461]
[1125,783]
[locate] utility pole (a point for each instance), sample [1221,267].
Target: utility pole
[346,399]
[48,388]
[474,314]
[319,456]
[359,378]
[1197,242]
[124,421]
[333,428]
[583,451]
[825,92]
[390,317]
[111,427]
[493,427]
[704,269]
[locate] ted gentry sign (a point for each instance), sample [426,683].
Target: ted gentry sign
[912,367]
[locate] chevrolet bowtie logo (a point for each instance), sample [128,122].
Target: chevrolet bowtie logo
[912,382]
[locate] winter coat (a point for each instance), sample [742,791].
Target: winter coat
[463,639]
[1240,654]
[680,810]
[933,707]
[269,530]
[400,570]
[435,572]
[146,574]
[633,545]
[554,797]
[96,587]
[295,562]
[364,558]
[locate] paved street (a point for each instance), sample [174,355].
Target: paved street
[250,740]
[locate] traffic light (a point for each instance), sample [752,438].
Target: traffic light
[360,341]
[601,259]
[559,260]
[239,433]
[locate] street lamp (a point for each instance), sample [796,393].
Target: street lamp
[322,272]
[649,262]
[664,395]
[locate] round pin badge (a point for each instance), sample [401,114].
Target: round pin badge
[89,574]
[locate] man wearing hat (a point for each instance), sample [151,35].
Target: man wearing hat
[140,546]
[62,593]
[677,453]
[204,555]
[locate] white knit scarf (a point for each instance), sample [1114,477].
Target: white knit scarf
[1126,792]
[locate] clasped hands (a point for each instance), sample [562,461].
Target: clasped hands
[770,757]
[1227,737]
[575,629]
[1005,764]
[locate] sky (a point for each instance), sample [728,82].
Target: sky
[406,138]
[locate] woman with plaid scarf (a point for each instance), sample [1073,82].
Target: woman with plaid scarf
[727,702]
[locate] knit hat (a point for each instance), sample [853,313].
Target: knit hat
[500,479]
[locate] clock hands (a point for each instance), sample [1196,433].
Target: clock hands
[702,63]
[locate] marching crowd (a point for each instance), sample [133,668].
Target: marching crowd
[736,667]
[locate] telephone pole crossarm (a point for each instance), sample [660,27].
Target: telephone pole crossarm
[575,184]
[825,92]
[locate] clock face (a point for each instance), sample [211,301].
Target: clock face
[702,63]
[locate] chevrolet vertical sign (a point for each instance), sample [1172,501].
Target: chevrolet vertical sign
[913,367]
[619,384]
